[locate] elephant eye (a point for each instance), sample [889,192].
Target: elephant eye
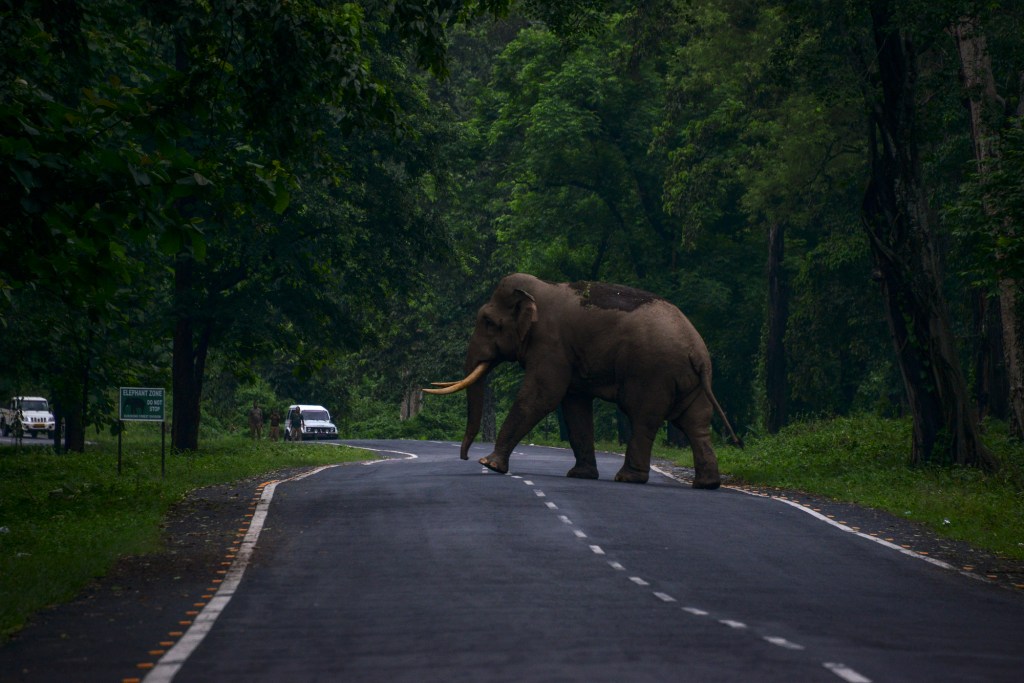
[489,324]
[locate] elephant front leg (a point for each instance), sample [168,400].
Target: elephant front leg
[531,405]
[579,420]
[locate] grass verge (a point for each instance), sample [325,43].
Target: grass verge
[65,519]
[865,460]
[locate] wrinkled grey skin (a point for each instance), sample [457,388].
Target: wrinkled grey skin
[580,341]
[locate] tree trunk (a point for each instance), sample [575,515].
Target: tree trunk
[412,404]
[778,316]
[73,395]
[1013,353]
[989,116]
[897,220]
[188,365]
[991,388]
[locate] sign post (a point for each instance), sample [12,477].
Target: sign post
[141,404]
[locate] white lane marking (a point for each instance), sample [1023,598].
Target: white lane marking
[565,520]
[695,612]
[638,581]
[539,493]
[597,550]
[880,541]
[664,597]
[846,673]
[843,527]
[408,456]
[579,534]
[616,566]
[551,505]
[527,482]
[168,666]
[732,624]
[782,642]
[514,476]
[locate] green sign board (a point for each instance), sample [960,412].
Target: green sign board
[141,404]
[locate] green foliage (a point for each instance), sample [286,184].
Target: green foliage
[66,519]
[988,214]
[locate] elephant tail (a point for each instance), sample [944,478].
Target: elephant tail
[703,370]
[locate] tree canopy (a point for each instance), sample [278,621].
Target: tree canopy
[312,198]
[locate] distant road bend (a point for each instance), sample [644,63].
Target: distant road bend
[425,567]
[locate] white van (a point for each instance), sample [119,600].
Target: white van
[316,422]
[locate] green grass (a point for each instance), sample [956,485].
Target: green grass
[865,460]
[65,519]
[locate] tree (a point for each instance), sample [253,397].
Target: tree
[898,222]
[992,118]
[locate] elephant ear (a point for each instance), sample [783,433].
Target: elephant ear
[526,315]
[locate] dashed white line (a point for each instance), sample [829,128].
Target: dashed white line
[732,624]
[841,670]
[783,643]
[846,673]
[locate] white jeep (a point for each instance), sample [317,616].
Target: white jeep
[316,422]
[35,416]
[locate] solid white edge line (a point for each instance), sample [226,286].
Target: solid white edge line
[171,662]
[843,527]
[408,456]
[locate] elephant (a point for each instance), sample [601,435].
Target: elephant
[584,340]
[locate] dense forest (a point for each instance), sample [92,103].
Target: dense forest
[260,200]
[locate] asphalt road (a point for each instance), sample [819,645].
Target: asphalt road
[428,568]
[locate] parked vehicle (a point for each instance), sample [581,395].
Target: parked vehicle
[35,416]
[316,422]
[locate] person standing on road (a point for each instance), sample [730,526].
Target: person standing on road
[297,425]
[256,422]
[275,425]
[18,427]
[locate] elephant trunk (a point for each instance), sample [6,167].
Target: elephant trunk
[474,412]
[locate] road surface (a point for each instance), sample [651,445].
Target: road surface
[425,567]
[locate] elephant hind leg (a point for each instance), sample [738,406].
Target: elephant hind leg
[695,422]
[579,420]
[637,467]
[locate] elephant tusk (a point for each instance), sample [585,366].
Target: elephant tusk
[454,387]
